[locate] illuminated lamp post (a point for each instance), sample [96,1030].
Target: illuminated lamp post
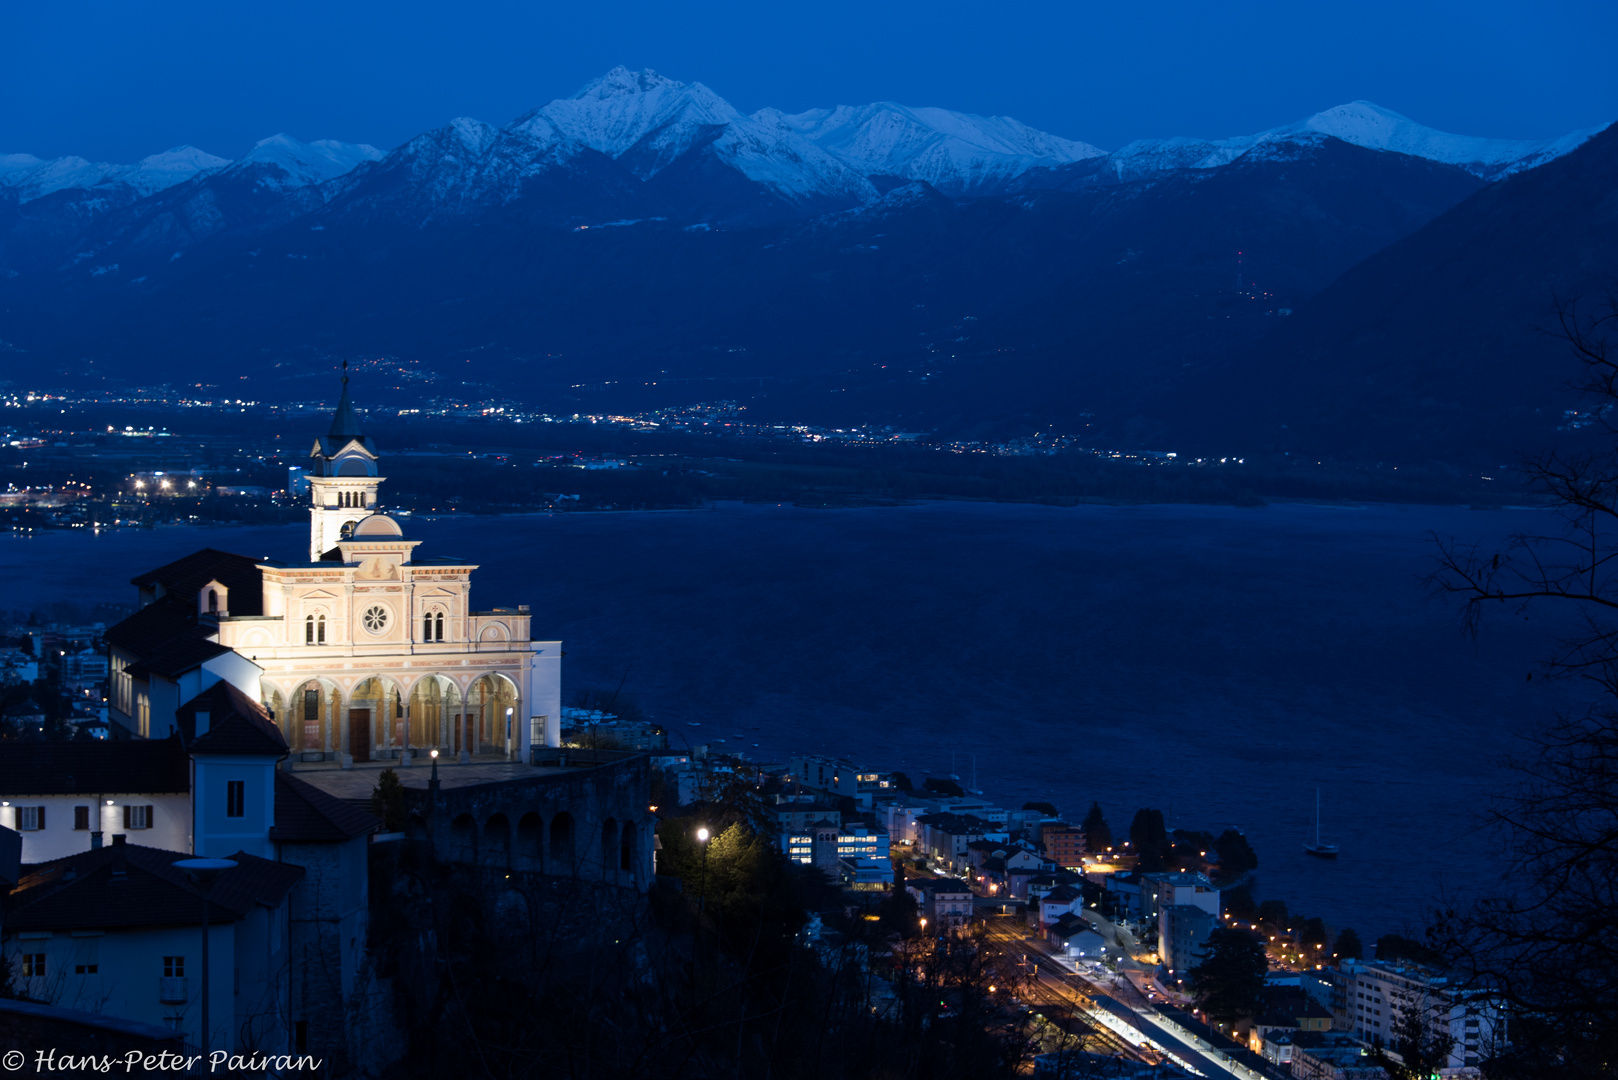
[702,889]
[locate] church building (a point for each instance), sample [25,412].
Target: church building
[368,650]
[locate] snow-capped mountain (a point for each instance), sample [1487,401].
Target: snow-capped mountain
[1361,123]
[954,152]
[284,163]
[33,178]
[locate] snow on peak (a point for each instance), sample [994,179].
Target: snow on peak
[1361,123]
[950,150]
[649,121]
[156,172]
[295,164]
[1367,124]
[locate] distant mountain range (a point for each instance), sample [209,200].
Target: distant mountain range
[958,271]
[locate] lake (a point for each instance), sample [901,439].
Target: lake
[1217,663]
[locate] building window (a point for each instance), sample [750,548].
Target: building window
[311,706]
[426,628]
[235,798]
[137,817]
[375,618]
[314,630]
[173,967]
[33,965]
[85,969]
[438,621]
[30,818]
[213,602]
[81,818]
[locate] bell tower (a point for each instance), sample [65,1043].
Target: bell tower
[343,478]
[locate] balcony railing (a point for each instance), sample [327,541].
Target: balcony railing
[171,990]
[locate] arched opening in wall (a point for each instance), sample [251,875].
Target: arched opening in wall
[314,629]
[378,709]
[497,840]
[609,846]
[626,848]
[354,466]
[430,701]
[463,839]
[493,703]
[213,601]
[347,530]
[529,853]
[561,842]
[309,716]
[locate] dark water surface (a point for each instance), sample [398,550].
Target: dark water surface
[1217,663]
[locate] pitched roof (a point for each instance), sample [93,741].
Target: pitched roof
[177,656]
[95,767]
[1063,894]
[124,885]
[236,724]
[948,885]
[304,813]
[345,422]
[184,579]
[153,625]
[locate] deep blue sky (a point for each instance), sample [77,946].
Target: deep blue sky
[118,79]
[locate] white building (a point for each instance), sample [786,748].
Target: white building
[67,797]
[1379,995]
[368,650]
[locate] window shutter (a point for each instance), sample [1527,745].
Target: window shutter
[148,817]
[126,817]
[41,817]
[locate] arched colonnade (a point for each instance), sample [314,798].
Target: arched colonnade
[376,717]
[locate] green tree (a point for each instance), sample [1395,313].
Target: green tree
[1236,855]
[1398,947]
[1149,839]
[901,781]
[1347,946]
[1229,982]
[1097,834]
[388,801]
[1048,809]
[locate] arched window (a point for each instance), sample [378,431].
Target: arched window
[314,630]
[320,629]
[309,630]
[439,621]
[213,601]
[427,627]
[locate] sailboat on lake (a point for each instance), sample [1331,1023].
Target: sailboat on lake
[1317,849]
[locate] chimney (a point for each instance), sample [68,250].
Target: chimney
[95,840]
[120,857]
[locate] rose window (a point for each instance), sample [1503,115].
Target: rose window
[375,619]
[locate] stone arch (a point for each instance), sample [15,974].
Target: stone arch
[626,849]
[497,840]
[609,846]
[561,846]
[493,702]
[463,839]
[529,850]
[494,632]
[312,719]
[382,698]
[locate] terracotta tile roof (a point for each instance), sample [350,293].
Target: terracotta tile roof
[153,625]
[304,813]
[125,885]
[236,724]
[95,767]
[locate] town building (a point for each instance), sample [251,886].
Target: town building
[1064,844]
[1182,932]
[1377,996]
[946,903]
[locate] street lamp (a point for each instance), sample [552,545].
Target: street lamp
[202,873]
[702,890]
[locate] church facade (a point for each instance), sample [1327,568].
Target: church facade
[369,649]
